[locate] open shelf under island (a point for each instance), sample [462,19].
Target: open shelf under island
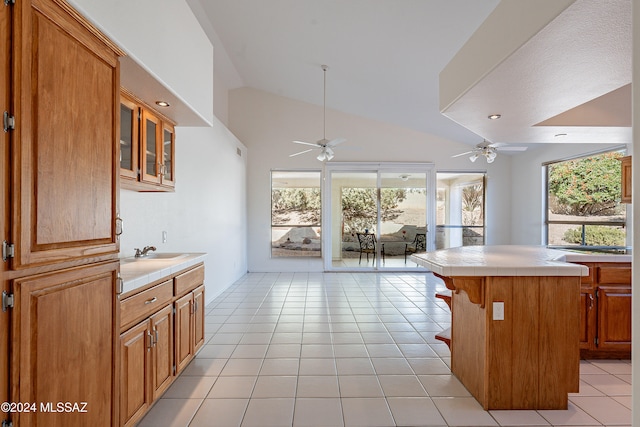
[515,325]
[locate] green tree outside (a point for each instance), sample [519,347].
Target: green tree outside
[587,186]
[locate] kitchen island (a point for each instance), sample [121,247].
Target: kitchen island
[515,325]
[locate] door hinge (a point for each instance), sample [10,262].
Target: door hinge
[8,3]
[596,340]
[8,121]
[174,369]
[7,301]
[8,250]
[7,423]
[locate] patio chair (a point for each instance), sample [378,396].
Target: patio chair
[419,244]
[367,243]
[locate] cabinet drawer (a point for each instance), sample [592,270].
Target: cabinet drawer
[146,302]
[189,280]
[609,274]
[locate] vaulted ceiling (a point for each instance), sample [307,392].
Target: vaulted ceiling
[385,57]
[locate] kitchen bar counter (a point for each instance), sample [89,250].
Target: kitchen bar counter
[137,272]
[505,260]
[515,325]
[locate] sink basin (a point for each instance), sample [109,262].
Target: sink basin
[160,256]
[165,255]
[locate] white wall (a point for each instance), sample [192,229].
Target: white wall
[207,211]
[527,197]
[163,37]
[267,124]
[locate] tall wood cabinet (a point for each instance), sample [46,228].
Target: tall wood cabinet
[5,100]
[59,179]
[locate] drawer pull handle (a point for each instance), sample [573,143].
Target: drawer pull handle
[152,300]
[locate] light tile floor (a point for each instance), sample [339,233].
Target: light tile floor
[350,349]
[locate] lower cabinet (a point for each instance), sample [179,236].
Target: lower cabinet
[63,346]
[189,326]
[161,342]
[605,317]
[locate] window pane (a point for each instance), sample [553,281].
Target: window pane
[583,202]
[295,214]
[460,210]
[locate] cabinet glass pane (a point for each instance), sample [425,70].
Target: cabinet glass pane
[126,142]
[151,153]
[167,143]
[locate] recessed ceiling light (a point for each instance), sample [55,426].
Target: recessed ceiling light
[162,103]
[494,116]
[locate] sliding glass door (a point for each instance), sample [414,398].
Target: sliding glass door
[377,215]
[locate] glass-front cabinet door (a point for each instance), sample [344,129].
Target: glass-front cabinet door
[147,146]
[150,154]
[129,111]
[168,152]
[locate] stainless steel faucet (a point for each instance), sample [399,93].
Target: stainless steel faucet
[143,252]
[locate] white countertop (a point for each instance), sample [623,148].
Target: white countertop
[503,260]
[137,272]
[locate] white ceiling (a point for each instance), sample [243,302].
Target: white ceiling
[385,57]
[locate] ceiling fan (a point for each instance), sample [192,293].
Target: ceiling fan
[489,150]
[324,145]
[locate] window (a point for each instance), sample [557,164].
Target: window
[295,214]
[583,203]
[460,210]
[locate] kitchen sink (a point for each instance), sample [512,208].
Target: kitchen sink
[163,255]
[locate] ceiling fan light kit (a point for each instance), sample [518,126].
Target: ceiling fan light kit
[326,146]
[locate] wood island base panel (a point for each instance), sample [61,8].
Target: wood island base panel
[515,323]
[514,340]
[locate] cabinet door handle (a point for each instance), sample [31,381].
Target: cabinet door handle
[590,301]
[152,300]
[150,341]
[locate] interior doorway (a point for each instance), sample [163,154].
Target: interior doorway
[377,215]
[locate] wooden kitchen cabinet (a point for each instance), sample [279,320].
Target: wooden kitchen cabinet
[184,331]
[605,313]
[146,364]
[614,318]
[189,326]
[59,178]
[5,141]
[626,180]
[135,364]
[64,344]
[129,138]
[162,362]
[148,138]
[66,86]
[162,328]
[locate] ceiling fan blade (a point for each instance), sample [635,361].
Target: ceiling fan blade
[301,152]
[507,148]
[336,141]
[313,144]
[462,154]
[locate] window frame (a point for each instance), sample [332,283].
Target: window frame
[271,216]
[545,208]
[484,205]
